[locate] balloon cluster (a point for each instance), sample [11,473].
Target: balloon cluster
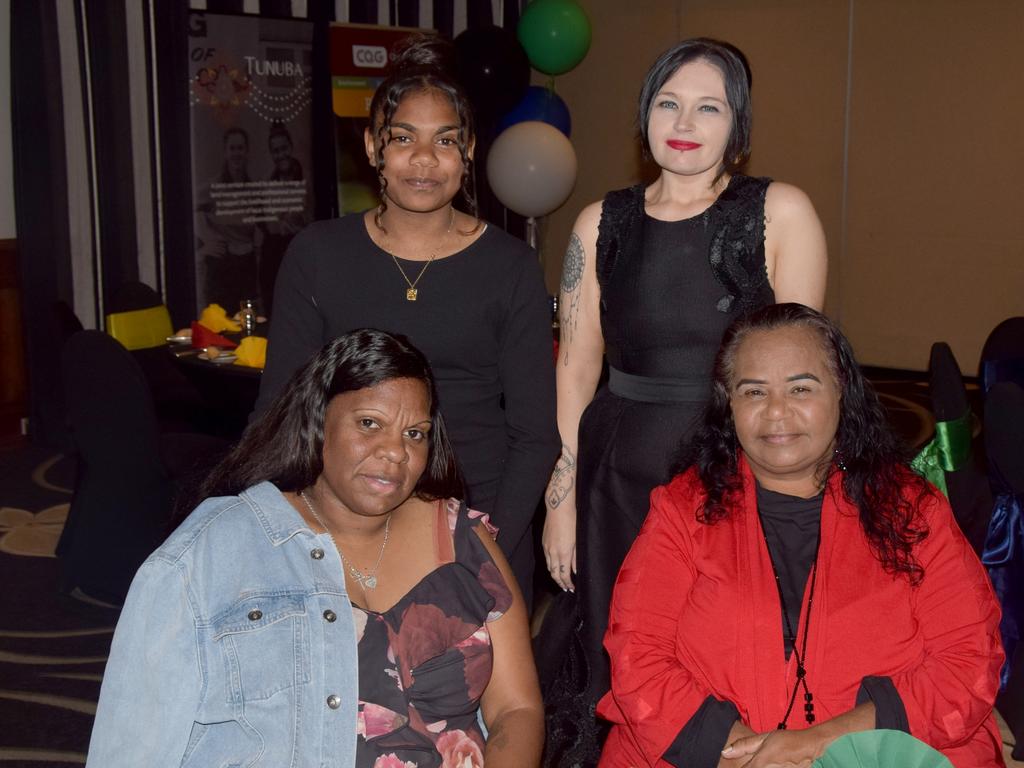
[531,166]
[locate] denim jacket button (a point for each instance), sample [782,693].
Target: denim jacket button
[333,701]
[330,615]
[317,554]
[255,615]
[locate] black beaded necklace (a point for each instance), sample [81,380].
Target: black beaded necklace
[801,669]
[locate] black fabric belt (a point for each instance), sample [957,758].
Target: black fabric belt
[656,389]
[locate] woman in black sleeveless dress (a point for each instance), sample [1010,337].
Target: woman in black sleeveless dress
[651,279]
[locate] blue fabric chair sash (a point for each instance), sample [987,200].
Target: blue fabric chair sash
[1003,555]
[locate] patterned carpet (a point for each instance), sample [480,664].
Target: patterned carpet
[53,646]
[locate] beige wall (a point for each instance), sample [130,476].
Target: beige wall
[935,246]
[913,182]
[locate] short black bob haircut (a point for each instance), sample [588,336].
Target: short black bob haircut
[730,61]
[876,479]
[286,444]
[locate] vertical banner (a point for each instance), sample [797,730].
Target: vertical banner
[360,54]
[251,122]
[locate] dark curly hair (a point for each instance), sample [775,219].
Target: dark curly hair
[286,444]
[873,458]
[422,63]
[727,59]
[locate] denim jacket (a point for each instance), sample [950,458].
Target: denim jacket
[236,647]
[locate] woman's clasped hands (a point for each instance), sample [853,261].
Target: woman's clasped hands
[796,748]
[775,749]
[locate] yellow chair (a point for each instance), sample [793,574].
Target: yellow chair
[141,328]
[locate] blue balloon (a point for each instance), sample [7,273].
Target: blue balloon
[539,104]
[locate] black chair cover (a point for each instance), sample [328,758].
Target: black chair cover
[1004,443]
[968,488]
[1002,357]
[179,405]
[123,491]
[133,295]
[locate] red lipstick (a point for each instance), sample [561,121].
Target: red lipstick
[683,146]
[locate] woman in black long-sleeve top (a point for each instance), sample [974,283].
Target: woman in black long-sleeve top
[466,293]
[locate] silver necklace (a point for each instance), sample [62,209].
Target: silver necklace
[366,580]
[412,291]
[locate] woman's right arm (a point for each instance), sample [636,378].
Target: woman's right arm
[654,695]
[297,325]
[153,679]
[580,353]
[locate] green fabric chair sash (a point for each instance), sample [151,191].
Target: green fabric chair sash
[948,451]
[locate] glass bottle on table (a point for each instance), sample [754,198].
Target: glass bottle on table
[247,316]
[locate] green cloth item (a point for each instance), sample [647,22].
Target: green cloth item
[948,451]
[880,749]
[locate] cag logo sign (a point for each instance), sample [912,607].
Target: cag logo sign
[370,56]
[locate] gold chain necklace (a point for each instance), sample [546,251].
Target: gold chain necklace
[366,580]
[412,292]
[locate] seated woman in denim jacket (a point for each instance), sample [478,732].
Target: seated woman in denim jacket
[332,603]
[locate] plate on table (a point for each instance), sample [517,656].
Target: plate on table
[222,359]
[184,337]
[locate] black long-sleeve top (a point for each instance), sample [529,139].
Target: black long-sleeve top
[482,318]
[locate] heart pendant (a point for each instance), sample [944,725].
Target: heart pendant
[370,582]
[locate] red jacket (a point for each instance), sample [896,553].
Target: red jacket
[696,612]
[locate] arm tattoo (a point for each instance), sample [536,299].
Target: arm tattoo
[572,279]
[562,479]
[572,267]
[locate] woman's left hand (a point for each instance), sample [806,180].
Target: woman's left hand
[777,749]
[786,749]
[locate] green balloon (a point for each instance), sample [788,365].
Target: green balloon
[555,35]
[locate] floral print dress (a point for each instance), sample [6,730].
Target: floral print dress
[425,662]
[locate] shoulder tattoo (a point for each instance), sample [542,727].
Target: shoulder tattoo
[572,279]
[572,266]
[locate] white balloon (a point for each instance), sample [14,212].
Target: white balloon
[531,168]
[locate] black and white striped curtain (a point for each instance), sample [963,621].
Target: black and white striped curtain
[101,144]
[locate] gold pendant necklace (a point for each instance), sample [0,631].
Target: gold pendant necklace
[366,580]
[412,292]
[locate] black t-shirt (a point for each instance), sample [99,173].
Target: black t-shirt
[791,526]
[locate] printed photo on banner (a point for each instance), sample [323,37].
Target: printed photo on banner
[251,124]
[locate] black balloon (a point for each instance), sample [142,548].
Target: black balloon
[493,68]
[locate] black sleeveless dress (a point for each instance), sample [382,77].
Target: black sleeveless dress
[668,292]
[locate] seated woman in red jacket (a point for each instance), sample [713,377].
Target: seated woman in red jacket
[798,582]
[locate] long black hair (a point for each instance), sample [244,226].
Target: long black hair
[286,444]
[727,59]
[872,457]
[423,63]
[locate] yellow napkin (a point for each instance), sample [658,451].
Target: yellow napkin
[216,319]
[252,352]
